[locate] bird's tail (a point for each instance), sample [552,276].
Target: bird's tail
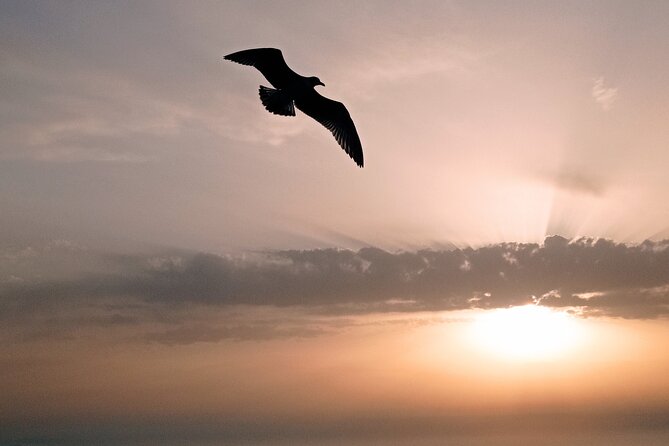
[277,101]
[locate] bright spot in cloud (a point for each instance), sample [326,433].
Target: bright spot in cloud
[526,333]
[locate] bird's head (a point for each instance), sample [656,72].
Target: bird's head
[315,81]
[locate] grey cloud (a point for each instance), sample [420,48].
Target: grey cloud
[640,303]
[618,279]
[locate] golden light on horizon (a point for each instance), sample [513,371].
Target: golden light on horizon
[526,333]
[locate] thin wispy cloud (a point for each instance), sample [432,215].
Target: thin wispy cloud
[604,95]
[577,181]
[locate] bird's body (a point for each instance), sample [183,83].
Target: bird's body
[293,90]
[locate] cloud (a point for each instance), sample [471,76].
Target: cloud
[641,303]
[579,182]
[597,276]
[189,334]
[604,96]
[90,93]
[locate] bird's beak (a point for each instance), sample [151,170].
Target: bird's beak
[321,83]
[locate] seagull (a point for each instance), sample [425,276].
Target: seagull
[292,90]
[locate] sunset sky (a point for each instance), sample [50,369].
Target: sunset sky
[178,266]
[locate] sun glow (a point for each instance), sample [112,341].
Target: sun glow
[527,333]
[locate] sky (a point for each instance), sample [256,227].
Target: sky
[178,266]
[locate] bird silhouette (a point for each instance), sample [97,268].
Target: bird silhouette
[292,90]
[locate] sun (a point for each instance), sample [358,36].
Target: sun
[526,333]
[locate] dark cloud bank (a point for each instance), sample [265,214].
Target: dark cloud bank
[594,276]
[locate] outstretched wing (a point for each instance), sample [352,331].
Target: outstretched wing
[334,117]
[269,61]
